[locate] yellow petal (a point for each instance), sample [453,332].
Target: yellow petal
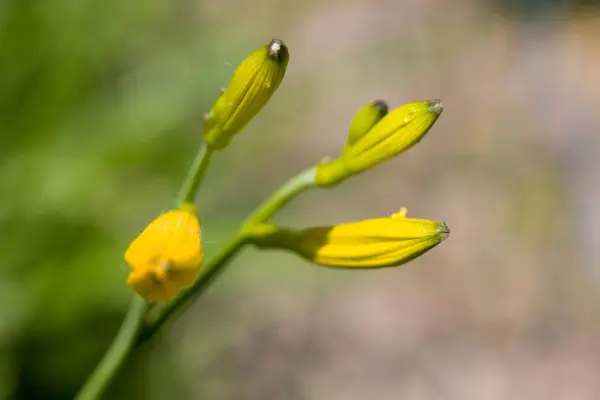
[166,256]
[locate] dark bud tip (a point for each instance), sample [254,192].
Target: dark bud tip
[277,49]
[381,106]
[436,106]
[444,231]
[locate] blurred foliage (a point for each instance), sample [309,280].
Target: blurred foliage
[100,104]
[523,9]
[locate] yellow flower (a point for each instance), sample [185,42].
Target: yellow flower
[166,257]
[374,243]
[397,132]
[254,82]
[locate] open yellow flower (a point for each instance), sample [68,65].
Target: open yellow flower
[254,82]
[166,257]
[393,134]
[373,243]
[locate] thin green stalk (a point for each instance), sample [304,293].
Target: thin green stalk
[117,352]
[132,331]
[211,270]
[304,180]
[129,331]
[209,273]
[195,175]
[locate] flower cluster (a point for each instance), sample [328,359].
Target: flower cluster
[167,255]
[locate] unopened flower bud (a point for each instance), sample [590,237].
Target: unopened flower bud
[397,132]
[374,243]
[366,118]
[253,83]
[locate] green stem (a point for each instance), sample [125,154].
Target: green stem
[130,331]
[194,178]
[304,180]
[211,271]
[116,354]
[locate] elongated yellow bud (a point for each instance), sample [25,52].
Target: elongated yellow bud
[374,243]
[253,83]
[397,132]
[166,257]
[366,118]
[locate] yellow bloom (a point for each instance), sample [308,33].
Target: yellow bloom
[374,243]
[166,257]
[254,82]
[397,132]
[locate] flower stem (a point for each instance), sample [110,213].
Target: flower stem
[208,274]
[116,354]
[211,271]
[130,329]
[304,180]
[135,328]
[195,175]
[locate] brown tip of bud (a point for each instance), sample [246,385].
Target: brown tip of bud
[444,231]
[381,106]
[436,106]
[277,49]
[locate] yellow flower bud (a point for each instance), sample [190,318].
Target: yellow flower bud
[252,85]
[365,119]
[166,257]
[397,132]
[374,243]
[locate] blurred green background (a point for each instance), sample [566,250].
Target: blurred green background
[100,115]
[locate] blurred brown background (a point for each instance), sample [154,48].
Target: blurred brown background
[100,115]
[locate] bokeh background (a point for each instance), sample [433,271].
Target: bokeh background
[100,115]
